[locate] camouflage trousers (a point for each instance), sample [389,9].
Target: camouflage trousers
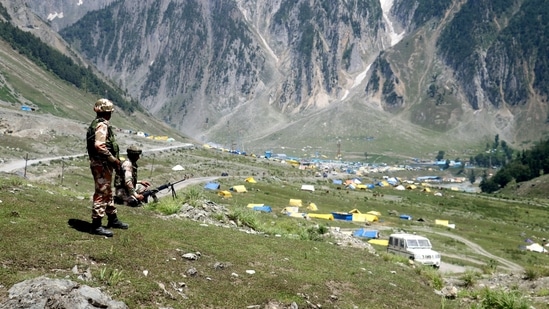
[123,196]
[102,197]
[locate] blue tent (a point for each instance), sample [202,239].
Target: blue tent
[262,208]
[212,186]
[370,234]
[405,217]
[337,182]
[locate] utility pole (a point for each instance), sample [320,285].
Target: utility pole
[338,149]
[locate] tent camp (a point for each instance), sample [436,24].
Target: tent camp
[360,217]
[263,208]
[225,194]
[295,202]
[312,207]
[290,209]
[250,180]
[383,184]
[322,216]
[370,234]
[441,222]
[309,188]
[251,205]
[536,248]
[212,186]
[380,242]
[239,189]
[178,168]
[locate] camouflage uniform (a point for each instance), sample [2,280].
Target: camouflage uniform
[128,188]
[126,184]
[103,154]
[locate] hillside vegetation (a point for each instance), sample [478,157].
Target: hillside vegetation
[294,260]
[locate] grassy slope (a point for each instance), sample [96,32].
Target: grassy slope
[29,84]
[37,240]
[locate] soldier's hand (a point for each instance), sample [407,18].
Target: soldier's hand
[139,197]
[145,183]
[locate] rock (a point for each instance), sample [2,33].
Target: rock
[43,292]
[449,292]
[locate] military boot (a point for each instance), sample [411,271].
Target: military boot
[98,229]
[115,223]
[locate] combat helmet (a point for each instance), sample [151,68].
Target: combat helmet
[134,150]
[103,105]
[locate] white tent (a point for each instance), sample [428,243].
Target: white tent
[536,248]
[400,188]
[308,188]
[178,168]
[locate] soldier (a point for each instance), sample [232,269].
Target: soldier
[104,159]
[128,189]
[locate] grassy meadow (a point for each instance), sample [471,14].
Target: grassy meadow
[44,218]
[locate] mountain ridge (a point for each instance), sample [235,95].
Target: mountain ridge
[271,64]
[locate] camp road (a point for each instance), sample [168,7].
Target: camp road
[478,250]
[13,166]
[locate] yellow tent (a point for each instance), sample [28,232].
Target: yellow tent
[426,190]
[381,242]
[361,187]
[239,189]
[225,194]
[441,222]
[322,216]
[373,212]
[358,217]
[454,188]
[251,180]
[295,202]
[411,187]
[354,211]
[312,207]
[254,205]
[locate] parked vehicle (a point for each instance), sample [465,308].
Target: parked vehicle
[415,247]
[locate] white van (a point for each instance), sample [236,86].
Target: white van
[417,248]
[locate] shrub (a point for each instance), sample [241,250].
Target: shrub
[498,299]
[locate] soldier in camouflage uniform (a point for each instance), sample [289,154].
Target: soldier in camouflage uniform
[104,160]
[128,189]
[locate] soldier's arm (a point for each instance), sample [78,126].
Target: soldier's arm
[101,132]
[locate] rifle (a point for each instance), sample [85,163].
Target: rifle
[152,192]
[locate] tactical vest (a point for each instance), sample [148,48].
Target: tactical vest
[111,144]
[120,183]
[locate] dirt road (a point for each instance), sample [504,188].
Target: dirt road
[479,250]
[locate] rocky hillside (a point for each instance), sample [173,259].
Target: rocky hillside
[265,73]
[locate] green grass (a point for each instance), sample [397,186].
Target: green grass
[36,240]
[302,260]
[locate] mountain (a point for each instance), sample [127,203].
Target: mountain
[47,97]
[383,76]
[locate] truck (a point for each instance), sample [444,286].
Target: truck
[414,247]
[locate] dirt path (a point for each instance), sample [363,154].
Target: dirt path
[479,250]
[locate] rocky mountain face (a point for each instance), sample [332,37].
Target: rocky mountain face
[263,70]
